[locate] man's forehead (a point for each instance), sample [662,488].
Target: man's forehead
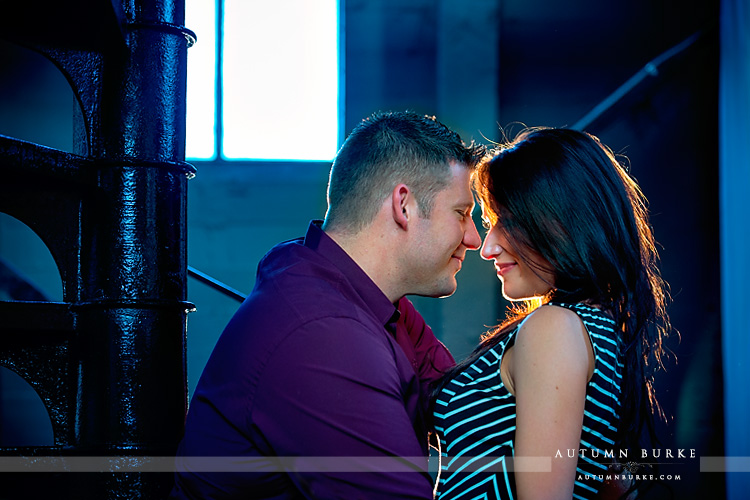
[462,180]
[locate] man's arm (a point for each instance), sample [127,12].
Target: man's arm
[431,357]
[336,390]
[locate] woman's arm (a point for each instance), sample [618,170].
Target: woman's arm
[551,364]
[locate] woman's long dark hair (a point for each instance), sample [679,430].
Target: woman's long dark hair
[563,195]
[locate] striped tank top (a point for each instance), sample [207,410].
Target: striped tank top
[475,416]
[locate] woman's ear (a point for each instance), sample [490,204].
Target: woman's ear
[402,205]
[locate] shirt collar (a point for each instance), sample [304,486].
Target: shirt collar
[317,240]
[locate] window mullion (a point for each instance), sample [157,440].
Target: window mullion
[219,122]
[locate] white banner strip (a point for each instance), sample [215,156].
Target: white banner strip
[725,464]
[266,464]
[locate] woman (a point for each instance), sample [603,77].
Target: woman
[567,381]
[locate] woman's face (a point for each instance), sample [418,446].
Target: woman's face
[520,281]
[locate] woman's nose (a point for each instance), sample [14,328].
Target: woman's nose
[490,247]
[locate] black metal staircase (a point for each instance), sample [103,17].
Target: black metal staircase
[108,362]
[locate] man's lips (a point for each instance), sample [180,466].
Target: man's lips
[460,261]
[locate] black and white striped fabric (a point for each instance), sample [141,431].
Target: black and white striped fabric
[475,416]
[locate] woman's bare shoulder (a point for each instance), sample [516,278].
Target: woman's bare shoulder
[551,319]
[553,332]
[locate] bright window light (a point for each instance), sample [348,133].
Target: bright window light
[200,17]
[281,74]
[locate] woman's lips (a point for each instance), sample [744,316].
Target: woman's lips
[504,268]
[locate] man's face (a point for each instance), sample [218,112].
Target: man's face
[439,243]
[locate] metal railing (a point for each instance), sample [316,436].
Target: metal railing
[216,284]
[651,69]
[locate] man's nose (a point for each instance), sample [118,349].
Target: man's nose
[472,240]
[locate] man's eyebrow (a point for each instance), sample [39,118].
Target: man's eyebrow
[468,206]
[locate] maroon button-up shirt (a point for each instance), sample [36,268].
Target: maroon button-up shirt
[316,383]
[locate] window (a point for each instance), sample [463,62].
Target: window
[266,84]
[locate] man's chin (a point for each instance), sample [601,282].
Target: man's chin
[440,292]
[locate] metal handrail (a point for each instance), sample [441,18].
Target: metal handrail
[216,284]
[650,69]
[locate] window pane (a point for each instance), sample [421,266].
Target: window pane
[280,88]
[200,17]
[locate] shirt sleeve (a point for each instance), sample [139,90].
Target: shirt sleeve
[335,397]
[430,358]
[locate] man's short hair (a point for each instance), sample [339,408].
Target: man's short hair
[384,150]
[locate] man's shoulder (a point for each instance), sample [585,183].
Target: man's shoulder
[297,291]
[300,281]
[292,260]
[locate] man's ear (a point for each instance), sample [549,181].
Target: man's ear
[402,205]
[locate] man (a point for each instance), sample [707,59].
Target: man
[325,369]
